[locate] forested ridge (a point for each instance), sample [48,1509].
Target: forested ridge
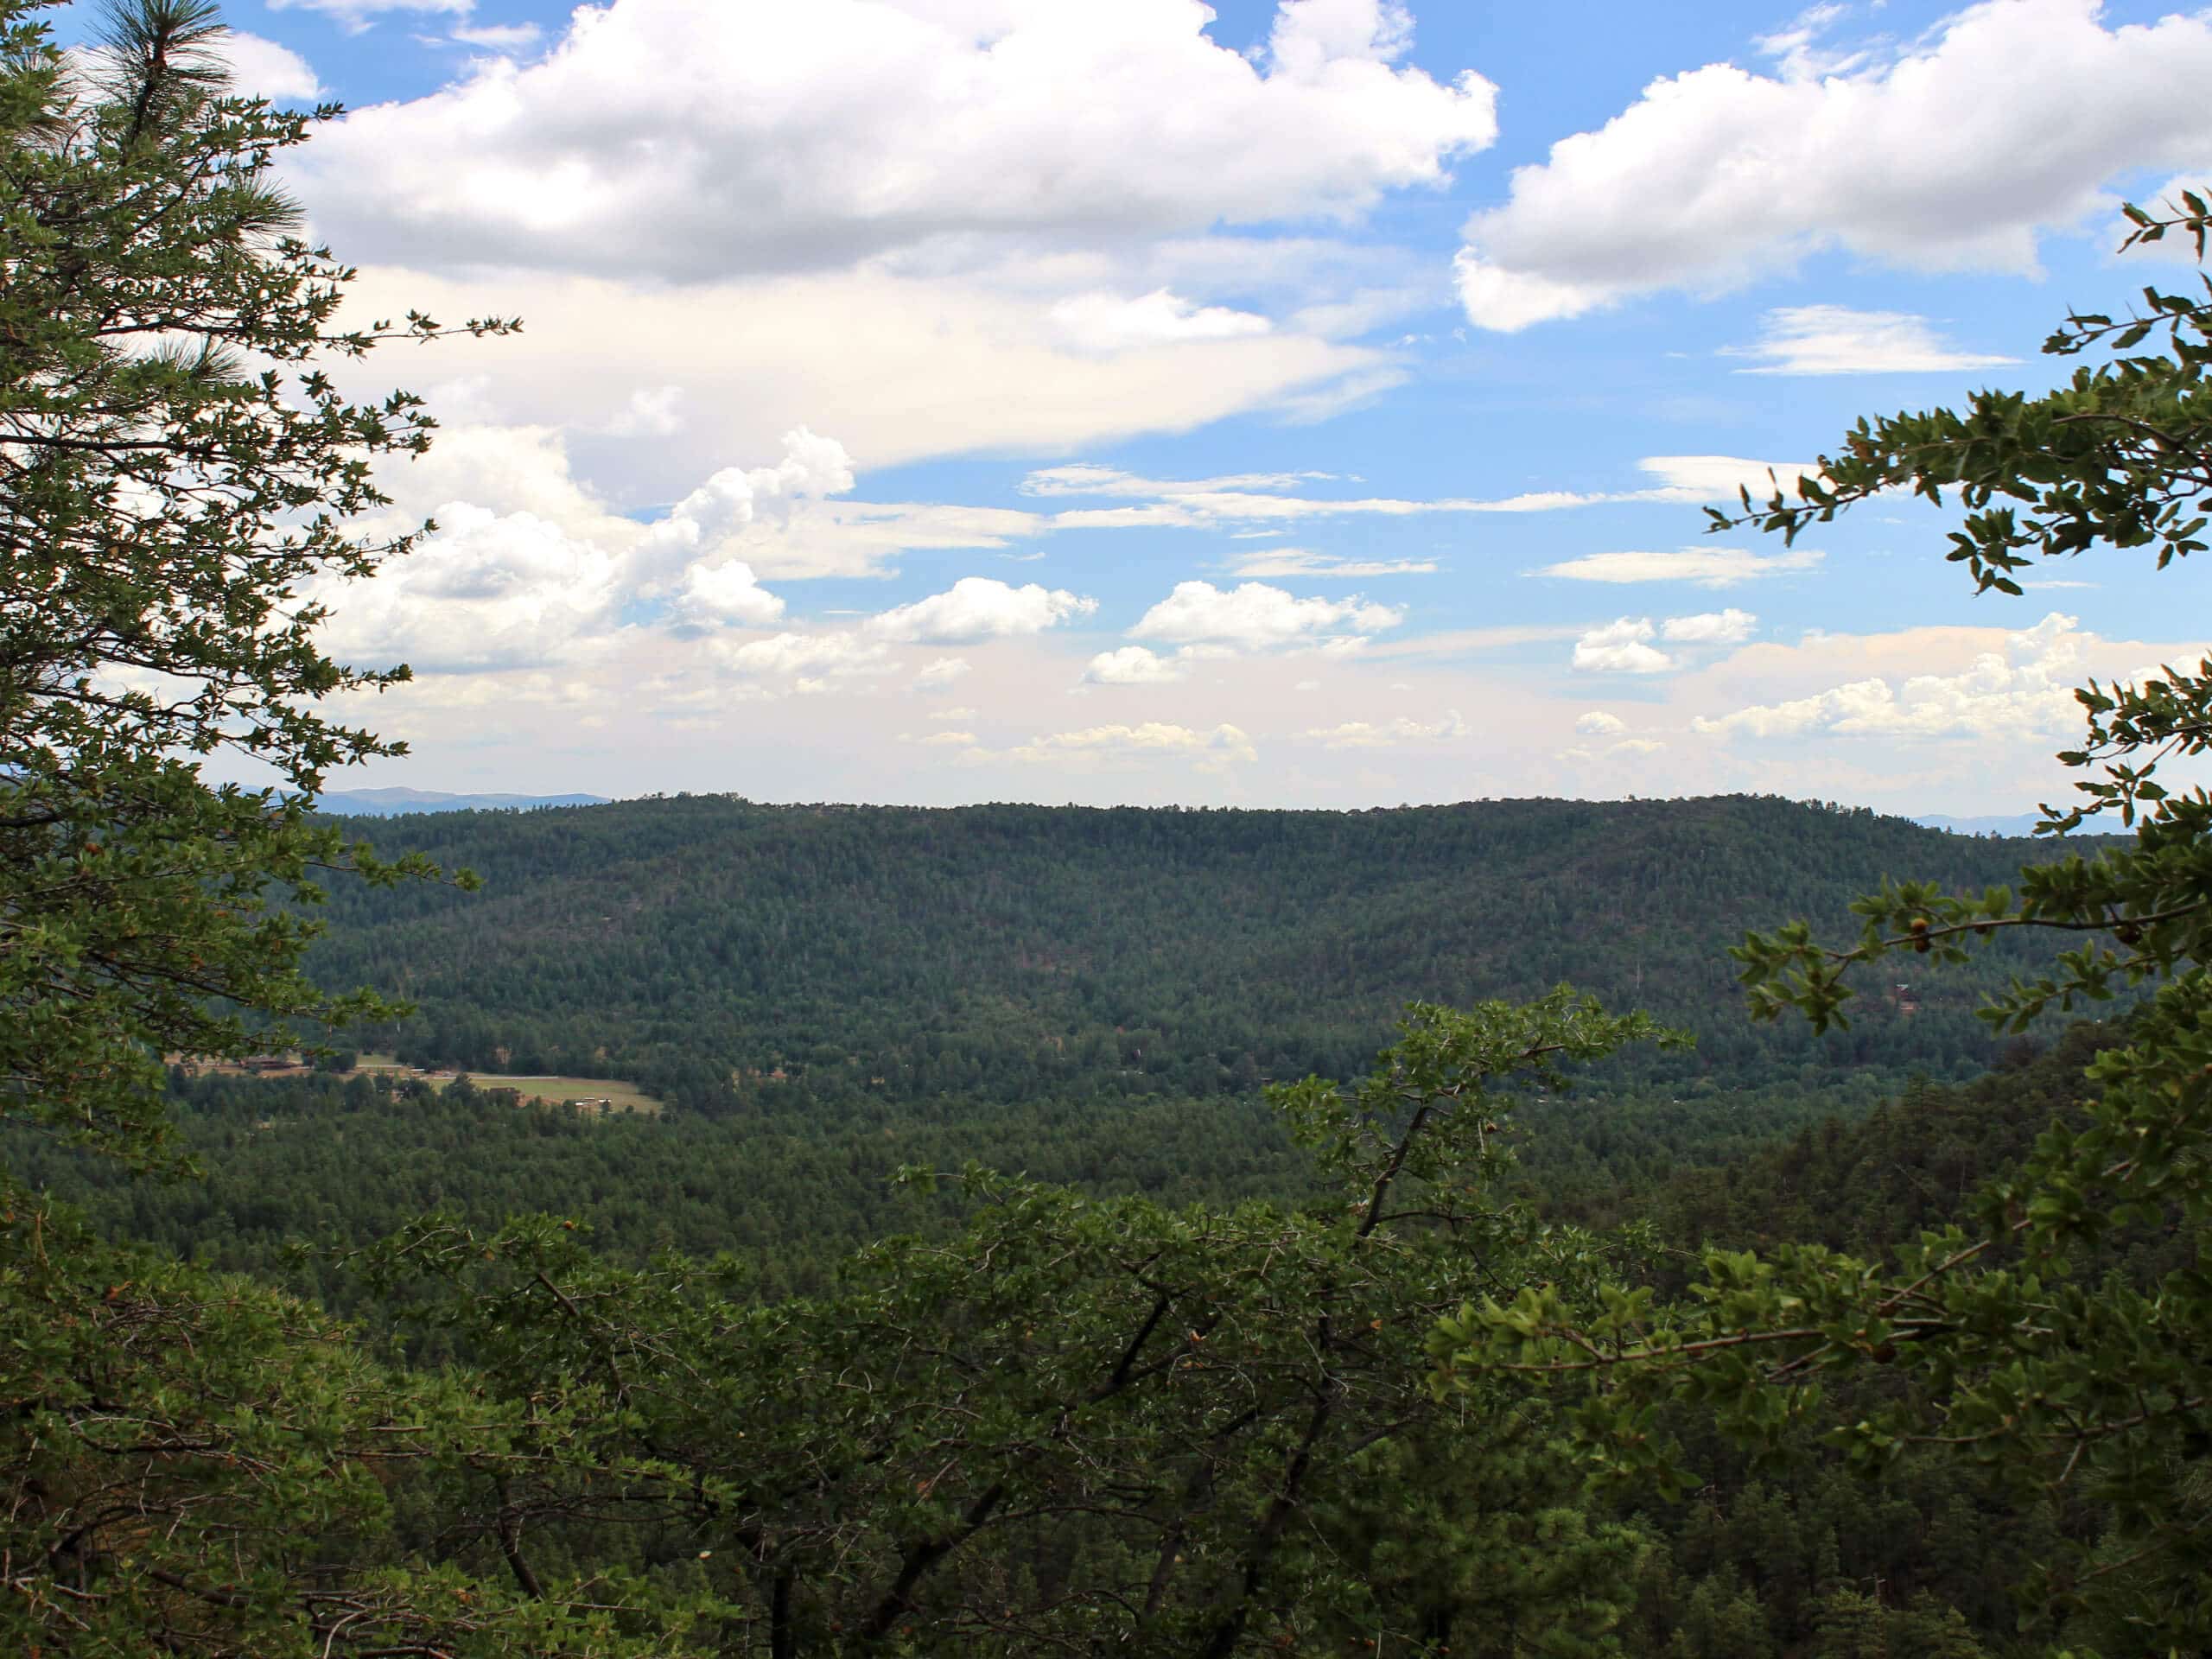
[701,945]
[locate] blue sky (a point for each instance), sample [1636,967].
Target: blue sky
[944,400]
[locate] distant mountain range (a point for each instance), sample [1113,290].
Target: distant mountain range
[391,803]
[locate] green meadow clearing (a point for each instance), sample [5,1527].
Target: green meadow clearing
[541,1090]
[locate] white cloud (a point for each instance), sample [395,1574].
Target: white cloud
[735,496]
[1254,615]
[356,15]
[2005,124]
[1131,665]
[981,608]
[750,514]
[509,469]
[1468,642]
[489,590]
[694,138]
[939,673]
[901,364]
[497,37]
[1704,567]
[2024,691]
[814,655]
[1364,735]
[1598,723]
[1268,497]
[1087,478]
[1297,561]
[954,714]
[1701,478]
[1622,647]
[652,412]
[947,741]
[262,68]
[1835,339]
[1216,750]
[1728,627]
[727,593]
[1798,46]
[821,537]
[1107,323]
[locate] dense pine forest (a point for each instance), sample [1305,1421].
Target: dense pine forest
[1048,991]
[728,955]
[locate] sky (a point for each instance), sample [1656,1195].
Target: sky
[1127,401]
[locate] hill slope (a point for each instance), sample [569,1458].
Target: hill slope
[705,945]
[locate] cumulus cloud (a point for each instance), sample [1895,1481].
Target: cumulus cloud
[2024,691]
[1364,735]
[1133,665]
[1254,615]
[1598,723]
[1728,627]
[735,496]
[693,138]
[727,593]
[981,608]
[1702,566]
[1622,647]
[1835,340]
[262,68]
[490,590]
[1964,148]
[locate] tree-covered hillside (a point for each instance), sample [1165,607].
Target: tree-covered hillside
[704,946]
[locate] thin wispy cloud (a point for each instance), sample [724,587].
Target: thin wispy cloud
[1701,567]
[1835,340]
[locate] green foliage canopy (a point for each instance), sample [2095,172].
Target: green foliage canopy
[1996,1341]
